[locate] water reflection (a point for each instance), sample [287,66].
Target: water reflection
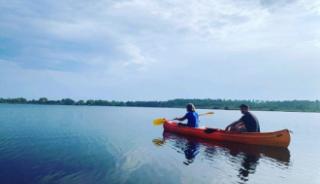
[245,158]
[189,147]
[248,166]
[191,151]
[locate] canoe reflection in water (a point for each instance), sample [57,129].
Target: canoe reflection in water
[246,155]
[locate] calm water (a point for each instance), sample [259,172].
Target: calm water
[71,144]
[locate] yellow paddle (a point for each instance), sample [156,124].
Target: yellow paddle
[160,121]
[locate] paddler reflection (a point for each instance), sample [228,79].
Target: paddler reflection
[190,148]
[247,157]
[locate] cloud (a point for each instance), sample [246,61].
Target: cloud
[136,58]
[216,19]
[117,46]
[311,6]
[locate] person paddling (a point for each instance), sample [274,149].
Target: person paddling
[247,123]
[192,116]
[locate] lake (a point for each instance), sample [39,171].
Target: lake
[42,144]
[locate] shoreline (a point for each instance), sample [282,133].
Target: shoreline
[177,107]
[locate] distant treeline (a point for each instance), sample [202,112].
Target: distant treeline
[292,105]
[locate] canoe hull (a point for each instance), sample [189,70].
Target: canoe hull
[277,139]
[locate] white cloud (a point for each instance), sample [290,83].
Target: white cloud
[136,58]
[311,5]
[117,46]
[216,19]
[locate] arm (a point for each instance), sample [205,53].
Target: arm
[181,118]
[234,124]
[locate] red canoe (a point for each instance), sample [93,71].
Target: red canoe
[278,138]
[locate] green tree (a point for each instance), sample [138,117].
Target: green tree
[43,100]
[67,101]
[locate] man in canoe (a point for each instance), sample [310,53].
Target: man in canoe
[247,123]
[192,116]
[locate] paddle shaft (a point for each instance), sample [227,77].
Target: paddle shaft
[160,121]
[207,113]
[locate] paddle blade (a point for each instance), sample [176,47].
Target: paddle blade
[158,121]
[158,142]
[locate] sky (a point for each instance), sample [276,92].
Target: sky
[160,49]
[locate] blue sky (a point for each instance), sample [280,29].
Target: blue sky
[158,50]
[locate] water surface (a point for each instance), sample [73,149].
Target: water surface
[82,144]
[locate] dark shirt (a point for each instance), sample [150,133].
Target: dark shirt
[193,119]
[251,122]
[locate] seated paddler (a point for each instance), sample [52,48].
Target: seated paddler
[192,116]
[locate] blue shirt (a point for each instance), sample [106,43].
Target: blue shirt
[193,119]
